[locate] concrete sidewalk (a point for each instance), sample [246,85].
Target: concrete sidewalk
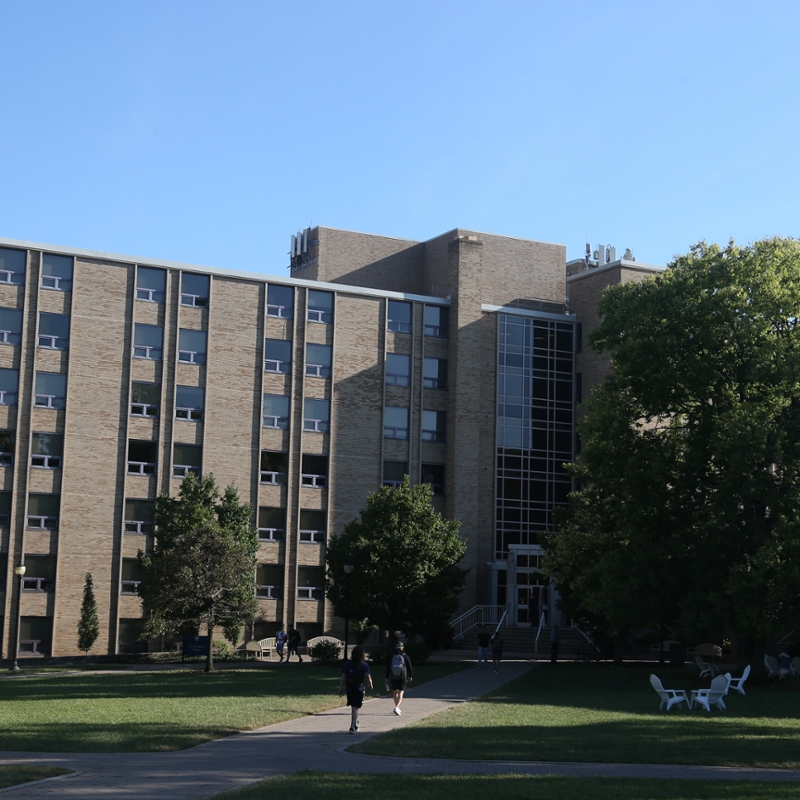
[316,742]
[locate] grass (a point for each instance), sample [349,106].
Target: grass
[335,786]
[580,712]
[162,710]
[15,774]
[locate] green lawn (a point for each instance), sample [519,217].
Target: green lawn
[581,712]
[325,786]
[14,774]
[162,710]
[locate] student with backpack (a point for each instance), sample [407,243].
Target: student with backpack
[355,673]
[398,673]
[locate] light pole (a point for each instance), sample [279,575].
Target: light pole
[348,571]
[19,570]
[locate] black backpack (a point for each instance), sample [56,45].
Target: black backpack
[355,676]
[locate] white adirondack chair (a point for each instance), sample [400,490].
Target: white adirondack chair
[773,670]
[795,668]
[713,696]
[669,697]
[738,683]
[705,667]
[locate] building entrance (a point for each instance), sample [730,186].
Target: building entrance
[529,592]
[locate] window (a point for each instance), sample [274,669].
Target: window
[318,360]
[320,306]
[50,390]
[399,316]
[3,570]
[145,399]
[131,639]
[273,467]
[280,301]
[12,266]
[53,331]
[398,369]
[435,373]
[313,526]
[277,355]
[9,380]
[394,473]
[436,320]
[35,634]
[434,426]
[147,341]
[40,574]
[314,471]
[189,403]
[310,583]
[150,284]
[6,448]
[316,415]
[43,511]
[194,290]
[186,458]
[434,475]
[395,422]
[271,524]
[276,411]
[142,457]
[269,581]
[57,272]
[191,346]
[10,323]
[5,509]
[140,516]
[46,450]
[131,576]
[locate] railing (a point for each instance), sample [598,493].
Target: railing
[393,484]
[147,352]
[6,276]
[37,584]
[538,634]
[7,398]
[42,522]
[434,436]
[315,425]
[310,593]
[434,383]
[477,615]
[273,421]
[436,330]
[48,401]
[283,312]
[314,481]
[274,478]
[30,646]
[277,365]
[49,342]
[193,300]
[148,295]
[399,327]
[318,371]
[786,640]
[394,432]
[269,592]
[317,315]
[9,337]
[6,459]
[397,380]
[129,587]
[183,470]
[191,357]
[56,282]
[316,537]
[141,468]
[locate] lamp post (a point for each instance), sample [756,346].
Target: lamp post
[19,570]
[348,571]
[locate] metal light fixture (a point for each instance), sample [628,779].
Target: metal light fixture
[19,570]
[348,571]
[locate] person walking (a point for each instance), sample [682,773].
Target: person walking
[399,672]
[280,642]
[484,639]
[554,643]
[497,651]
[355,675]
[292,644]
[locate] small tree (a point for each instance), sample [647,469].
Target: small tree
[201,570]
[406,556]
[88,625]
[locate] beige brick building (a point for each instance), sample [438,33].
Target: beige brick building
[451,360]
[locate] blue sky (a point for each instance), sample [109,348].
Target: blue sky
[209,132]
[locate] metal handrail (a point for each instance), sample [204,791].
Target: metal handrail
[538,634]
[477,615]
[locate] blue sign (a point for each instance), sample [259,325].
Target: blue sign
[195,645]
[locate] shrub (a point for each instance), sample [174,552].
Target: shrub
[378,657]
[418,652]
[222,649]
[325,652]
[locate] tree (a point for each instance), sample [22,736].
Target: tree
[689,513]
[406,556]
[200,572]
[88,624]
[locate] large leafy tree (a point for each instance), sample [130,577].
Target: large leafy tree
[689,513]
[405,557]
[200,572]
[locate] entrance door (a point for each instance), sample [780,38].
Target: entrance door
[529,589]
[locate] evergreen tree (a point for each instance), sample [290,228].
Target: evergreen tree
[88,625]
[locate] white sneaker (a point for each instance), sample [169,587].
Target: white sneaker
[358,724]
[352,729]
[397,711]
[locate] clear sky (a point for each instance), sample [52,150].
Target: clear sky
[209,132]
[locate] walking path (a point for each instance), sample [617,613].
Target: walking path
[316,742]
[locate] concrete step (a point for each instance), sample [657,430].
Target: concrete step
[521,643]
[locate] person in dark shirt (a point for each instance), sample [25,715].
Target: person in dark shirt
[497,651]
[483,647]
[292,644]
[355,673]
[399,672]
